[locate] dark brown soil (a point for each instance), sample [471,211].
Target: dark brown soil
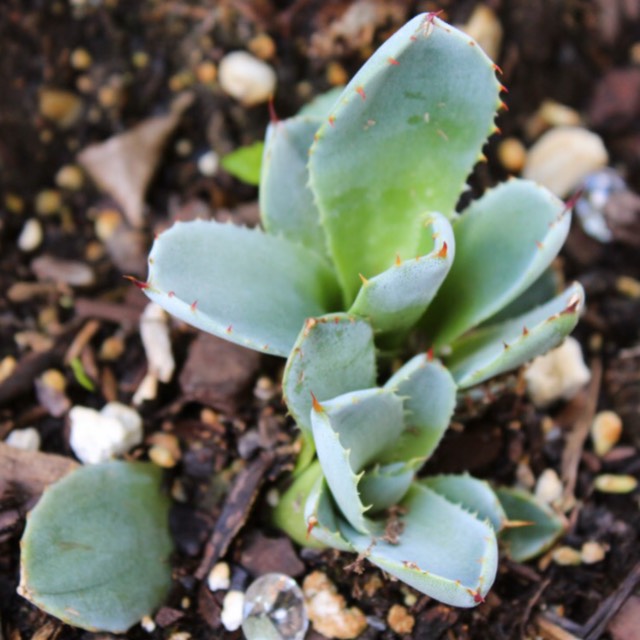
[229,416]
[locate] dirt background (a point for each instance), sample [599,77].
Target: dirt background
[63,298]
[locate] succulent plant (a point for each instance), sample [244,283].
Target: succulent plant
[363,253]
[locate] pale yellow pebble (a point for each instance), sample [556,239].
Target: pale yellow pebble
[148,624]
[54,379]
[48,202]
[628,286]
[140,59]
[400,620]
[61,107]
[112,348]
[219,577]
[605,431]
[7,367]
[80,59]
[185,603]
[548,487]
[566,556]
[206,72]
[262,46]
[70,177]
[246,78]
[84,83]
[336,74]
[162,457]
[592,552]
[14,203]
[612,483]
[512,155]
[106,224]
[634,53]
[94,251]
[31,236]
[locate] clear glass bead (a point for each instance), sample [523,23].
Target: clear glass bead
[274,609]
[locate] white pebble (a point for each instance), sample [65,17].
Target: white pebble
[30,237]
[27,439]
[147,390]
[208,163]
[148,624]
[548,487]
[559,374]
[563,157]
[99,436]
[232,610]
[219,577]
[246,78]
[154,331]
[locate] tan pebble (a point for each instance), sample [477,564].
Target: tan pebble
[178,491]
[169,443]
[70,177]
[265,389]
[556,114]
[80,59]
[180,635]
[106,224]
[373,585]
[246,78]
[628,286]
[180,81]
[112,348]
[262,46]
[592,552]
[46,136]
[85,84]
[209,416]
[140,59]
[184,147]
[563,157]
[162,457]
[400,620]
[219,577]
[206,72]
[612,483]
[54,379]
[566,556]
[327,609]
[185,603]
[48,202]
[410,599]
[7,367]
[48,317]
[148,624]
[548,487]
[634,53]
[94,251]
[14,203]
[605,431]
[485,28]
[31,236]
[61,107]
[109,96]
[336,74]
[512,155]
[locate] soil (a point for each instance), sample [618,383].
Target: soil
[228,416]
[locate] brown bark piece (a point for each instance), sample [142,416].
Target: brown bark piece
[262,555]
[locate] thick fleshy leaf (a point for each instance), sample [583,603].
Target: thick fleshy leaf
[240,284]
[384,486]
[245,163]
[476,496]
[400,143]
[525,542]
[350,432]
[96,547]
[429,396]
[333,355]
[286,202]
[442,550]
[320,107]
[396,299]
[504,241]
[495,349]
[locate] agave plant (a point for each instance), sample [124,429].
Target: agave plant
[362,247]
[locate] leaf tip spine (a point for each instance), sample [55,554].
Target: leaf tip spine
[361,92]
[317,407]
[138,283]
[443,251]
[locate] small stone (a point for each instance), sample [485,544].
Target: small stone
[70,177]
[597,189]
[485,28]
[274,608]
[232,607]
[208,163]
[327,609]
[107,223]
[219,577]
[612,483]
[148,624]
[206,72]
[549,487]
[566,556]
[337,75]
[400,620]
[26,439]
[99,436]
[262,46]
[61,107]
[154,332]
[147,390]
[592,552]
[54,379]
[559,374]
[265,389]
[246,78]
[80,59]
[8,365]
[605,431]
[562,158]
[551,114]
[112,348]
[512,155]
[140,59]
[14,203]
[165,450]
[48,202]
[628,286]
[31,236]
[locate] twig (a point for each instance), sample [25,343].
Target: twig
[531,604]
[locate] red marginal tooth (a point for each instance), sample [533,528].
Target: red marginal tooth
[571,202]
[393,61]
[398,260]
[273,116]
[138,283]
[504,106]
[194,305]
[497,68]
[525,331]
[311,523]
[171,294]
[430,354]
[572,307]
[317,407]
[443,251]
[503,89]
[332,121]
[360,91]
[229,329]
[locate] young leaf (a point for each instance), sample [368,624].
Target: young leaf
[495,349]
[394,300]
[528,541]
[350,432]
[441,550]
[95,550]
[240,284]
[504,241]
[400,142]
[322,519]
[385,485]
[286,202]
[245,163]
[429,397]
[333,355]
